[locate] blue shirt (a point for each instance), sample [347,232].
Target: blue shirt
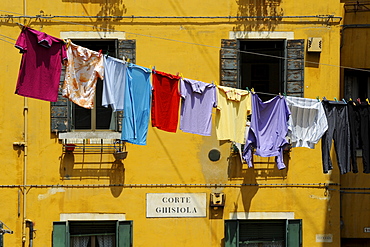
[137,105]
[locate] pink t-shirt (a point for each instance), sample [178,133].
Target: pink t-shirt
[40,69]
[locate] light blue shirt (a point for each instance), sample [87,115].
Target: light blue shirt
[136,105]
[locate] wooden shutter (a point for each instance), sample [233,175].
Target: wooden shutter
[126,48]
[229,58]
[231,233]
[295,67]
[59,111]
[294,233]
[262,230]
[124,233]
[60,234]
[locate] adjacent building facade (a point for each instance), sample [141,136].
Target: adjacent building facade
[64,183]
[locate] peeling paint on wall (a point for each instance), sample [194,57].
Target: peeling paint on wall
[50,192]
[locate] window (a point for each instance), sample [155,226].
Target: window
[92,234]
[356,84]
[279,68]
[67,116]
[263,233]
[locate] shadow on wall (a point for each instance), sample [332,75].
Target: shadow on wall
[263,169]
[107,8]
[114,171]
[258,8]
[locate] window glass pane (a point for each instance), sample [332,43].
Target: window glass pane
[103,114]
[356,84]
[80,241]
[81,117]
[99,117]
[263,73]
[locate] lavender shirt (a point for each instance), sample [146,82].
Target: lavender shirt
[269,126]
[198,99]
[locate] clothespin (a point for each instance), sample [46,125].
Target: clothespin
[335,99]
[350,99]
[181,75]
[284,94]
[252,90]
[21,25]
[318,99]
[100,51]
[359,100]
[344,101]
[367,100]
[247,89]
[152,68]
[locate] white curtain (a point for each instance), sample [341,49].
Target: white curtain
[79,241]
[106,241]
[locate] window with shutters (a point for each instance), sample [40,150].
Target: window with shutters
[356,84]
[267,66]
[92,234]
[263,233]
[67,116]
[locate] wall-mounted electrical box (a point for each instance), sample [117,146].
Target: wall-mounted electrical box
[217,200]
[314,44]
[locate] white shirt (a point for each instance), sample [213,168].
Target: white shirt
[114,83]
[307,122]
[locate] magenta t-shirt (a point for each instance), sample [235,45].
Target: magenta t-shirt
[41,65]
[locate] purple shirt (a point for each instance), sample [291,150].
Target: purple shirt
[198,99]
[269,126]
[40,69]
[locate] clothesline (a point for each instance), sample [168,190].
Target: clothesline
[210,46]
[265,93]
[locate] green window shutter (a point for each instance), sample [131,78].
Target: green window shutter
[229,56]
[60,234]
[127,49]
[124,234]
[59,113]
[295,67]
[294,233]
[262,230]
[231,233]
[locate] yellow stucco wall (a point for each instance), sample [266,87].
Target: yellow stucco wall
[191,47]
[354,53]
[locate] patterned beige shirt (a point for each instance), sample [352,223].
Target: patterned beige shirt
[83,69]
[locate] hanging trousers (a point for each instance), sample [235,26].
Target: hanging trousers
[338,129]
[364,110]
[354,126]
[359,120]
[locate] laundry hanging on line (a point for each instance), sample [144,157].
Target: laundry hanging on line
[135,127]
